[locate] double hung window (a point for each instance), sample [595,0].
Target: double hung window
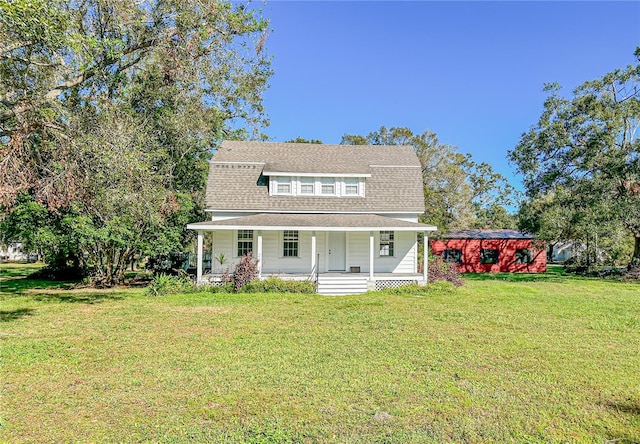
[387,241]
[244,242]
[290,242]
[351,187]
[328,186]
[307,185]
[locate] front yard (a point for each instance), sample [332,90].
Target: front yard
[538,359]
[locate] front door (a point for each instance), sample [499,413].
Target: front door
[337,251]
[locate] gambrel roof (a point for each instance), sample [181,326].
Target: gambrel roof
[237,177]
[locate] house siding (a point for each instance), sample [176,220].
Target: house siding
[507,254]
[405,257]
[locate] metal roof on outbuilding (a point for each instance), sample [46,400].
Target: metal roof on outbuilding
[487,234]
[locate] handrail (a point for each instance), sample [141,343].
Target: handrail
[315,272]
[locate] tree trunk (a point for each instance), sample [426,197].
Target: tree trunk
[635,259]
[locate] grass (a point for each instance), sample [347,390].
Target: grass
[545,359]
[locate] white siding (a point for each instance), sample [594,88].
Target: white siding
[404,217]
[404,259]
[358,251]
[357,255]
[223,242]
[274,262]
[226,215]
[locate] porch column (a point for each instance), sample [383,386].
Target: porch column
[371,256]
[259,256]
[313,251]
[425,257]
[199,263]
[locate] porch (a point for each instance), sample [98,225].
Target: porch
[339,283]
[344,254]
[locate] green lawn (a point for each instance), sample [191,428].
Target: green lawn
[538,359]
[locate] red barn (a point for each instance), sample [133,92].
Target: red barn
[478,251]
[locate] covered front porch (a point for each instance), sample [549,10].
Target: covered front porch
[338,249]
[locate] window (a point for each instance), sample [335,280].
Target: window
[386,243]
[245,242]
[283,185]
[328,186]
[290,243]
[452,255]
[351,187]
[489,256]
[524,256]
[307,185]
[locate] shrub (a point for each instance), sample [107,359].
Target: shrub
[433,288]
[443,271]
[245,271]
[277,285]
[164,284]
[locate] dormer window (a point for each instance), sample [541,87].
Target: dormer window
[351,187]
[307,185]
[319,186]
[283,185]
[328,186]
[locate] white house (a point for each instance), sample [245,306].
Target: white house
[347,214]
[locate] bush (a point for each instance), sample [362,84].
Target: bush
[164,284]
[443,271]
[245,271]
[433,288]
[277,285]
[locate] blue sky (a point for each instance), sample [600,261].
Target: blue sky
[472,72]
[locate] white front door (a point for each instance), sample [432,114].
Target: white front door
[337,251]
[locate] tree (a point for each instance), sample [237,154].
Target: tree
[583,154]
[303,140]
[109,112]
[458,192]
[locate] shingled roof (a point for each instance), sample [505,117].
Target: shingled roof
[393,177]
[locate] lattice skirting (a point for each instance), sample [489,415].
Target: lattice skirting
[393,283]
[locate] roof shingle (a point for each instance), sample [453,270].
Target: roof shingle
[234,182]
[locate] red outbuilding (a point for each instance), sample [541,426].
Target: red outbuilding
[478,251]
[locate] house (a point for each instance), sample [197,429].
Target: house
[346,214]
[13,252]
[493,251]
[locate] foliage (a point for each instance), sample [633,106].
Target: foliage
[440,270]
[165,284]
[303,140]
[109,112]
[458,192]
[581,161]
[245,271]
[170,263]
[277,285]
[441,287]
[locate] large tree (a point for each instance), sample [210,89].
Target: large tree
[109,112]
[583,155]
[458,192]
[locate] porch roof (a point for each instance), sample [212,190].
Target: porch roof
[312,222]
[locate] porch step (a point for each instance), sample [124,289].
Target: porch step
[341,285]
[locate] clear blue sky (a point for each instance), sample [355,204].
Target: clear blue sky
[472,72]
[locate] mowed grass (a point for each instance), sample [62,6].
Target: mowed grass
[548,359]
